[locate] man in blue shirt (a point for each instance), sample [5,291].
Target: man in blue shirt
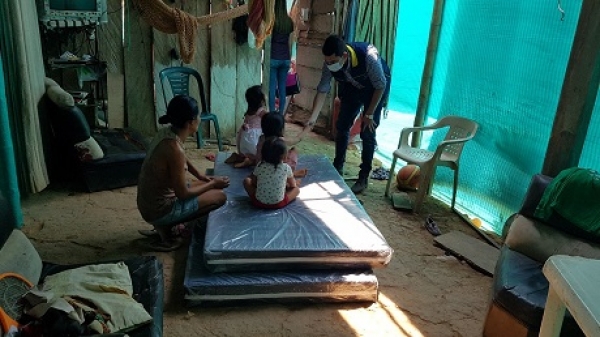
[363,83]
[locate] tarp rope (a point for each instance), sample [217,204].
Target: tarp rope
[175,21]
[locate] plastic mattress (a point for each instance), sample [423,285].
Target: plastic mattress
[205,288]
[326,227]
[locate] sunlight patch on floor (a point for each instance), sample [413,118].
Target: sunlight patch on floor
[391,321]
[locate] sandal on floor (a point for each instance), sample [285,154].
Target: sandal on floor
[165,246]
[148,232]
[432,227]
[210,157]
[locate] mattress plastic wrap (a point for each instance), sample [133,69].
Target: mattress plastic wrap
[325,227]
[205,288]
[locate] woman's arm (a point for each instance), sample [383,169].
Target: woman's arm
[291,40]
[176,161]
[194,171]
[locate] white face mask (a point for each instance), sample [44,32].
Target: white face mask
[336,66]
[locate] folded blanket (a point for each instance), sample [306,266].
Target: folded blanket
[575,195]
[103,288]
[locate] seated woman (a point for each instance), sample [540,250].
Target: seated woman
[165,195]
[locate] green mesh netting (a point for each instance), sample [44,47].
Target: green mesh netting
[502,64]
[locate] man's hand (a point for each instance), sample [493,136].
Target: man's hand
[368,123]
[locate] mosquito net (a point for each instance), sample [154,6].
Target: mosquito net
[501,64]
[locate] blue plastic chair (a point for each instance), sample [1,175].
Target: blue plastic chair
[178,79]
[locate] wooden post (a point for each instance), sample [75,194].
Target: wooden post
[139,93]
[110,49]
[578,95]
[223,75]
[432,45]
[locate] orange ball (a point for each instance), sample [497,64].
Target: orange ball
[408,177]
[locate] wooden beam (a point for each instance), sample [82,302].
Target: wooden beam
[426,79]
[578,95]
[223,57]
[139,92]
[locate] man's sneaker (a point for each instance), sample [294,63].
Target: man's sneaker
[360,185]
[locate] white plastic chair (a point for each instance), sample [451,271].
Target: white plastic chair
[447,153]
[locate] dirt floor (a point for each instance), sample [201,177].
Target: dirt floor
[422,292]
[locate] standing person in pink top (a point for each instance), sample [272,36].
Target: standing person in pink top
[250,131]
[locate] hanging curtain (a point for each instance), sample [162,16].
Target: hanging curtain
[349,32]
[378,20]
[10,204]
[24,78]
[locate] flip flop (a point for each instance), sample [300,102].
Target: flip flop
[380,173]
[165,246]
[432,227]
[148,232]
[182,230]
[210,156]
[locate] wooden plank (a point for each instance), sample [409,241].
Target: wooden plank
[110,37]
[139,93]
[248,74]
[110,50]
[477,253]
[430,59]
[116,100]
[162,45]
[578,94]
[223,83]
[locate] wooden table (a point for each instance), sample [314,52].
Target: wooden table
[574,284]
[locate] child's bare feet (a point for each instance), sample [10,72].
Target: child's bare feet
[234,158]
[301,173]
[245,163]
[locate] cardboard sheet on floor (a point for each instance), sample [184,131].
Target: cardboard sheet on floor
[477,253]
[326,227]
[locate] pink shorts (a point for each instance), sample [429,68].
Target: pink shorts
[279,205]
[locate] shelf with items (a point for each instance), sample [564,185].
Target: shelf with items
[72,60]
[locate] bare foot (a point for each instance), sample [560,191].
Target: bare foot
[234,158]
[247,162]
[298,182]
[300,173]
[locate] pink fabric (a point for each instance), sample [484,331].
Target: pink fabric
[279,205]
[290,80]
